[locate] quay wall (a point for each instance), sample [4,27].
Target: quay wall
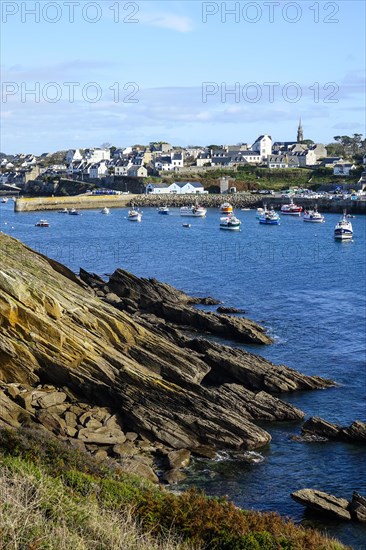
[238,200]
[79,201]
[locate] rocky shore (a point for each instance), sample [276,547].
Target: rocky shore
[332,506]
[121,368]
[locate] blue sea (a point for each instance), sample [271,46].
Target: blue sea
[307,289]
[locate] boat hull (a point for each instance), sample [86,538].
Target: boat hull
[192,214]
[269,222]
[316,220]
[342,235]
[230,228]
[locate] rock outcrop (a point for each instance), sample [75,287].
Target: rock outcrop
[332,506]
[140,381]
[315,426]
[323,502]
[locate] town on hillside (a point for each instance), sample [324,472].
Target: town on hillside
[159,168]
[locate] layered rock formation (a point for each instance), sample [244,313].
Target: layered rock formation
[318,428]
[167,388]
[332,506]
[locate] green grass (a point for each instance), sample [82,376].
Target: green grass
[54,497]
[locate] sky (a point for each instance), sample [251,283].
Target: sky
[78,74]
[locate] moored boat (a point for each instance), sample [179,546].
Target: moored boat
[313,216]
[193,211]
[343,230]
[4,199]
[104,210]
[186,225]
[231,223]
[226,208]
[134,215]
[291,209]
[74,212]
[269,217]
[163,210]
[63,211]
[42,223]
[259,213]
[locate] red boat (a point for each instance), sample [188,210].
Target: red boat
[291,209]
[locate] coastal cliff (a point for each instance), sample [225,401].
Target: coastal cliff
[107,364]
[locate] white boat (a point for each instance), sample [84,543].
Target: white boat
[259,213]
[186,225]
[74,212]
[63,211]
[313,216]
[163,210]
[269,217]
[193,211]
[230,223]
[226,208]
[42,223]
[343,231]
[4,199]
[291,209]
[104,210]
[134,215]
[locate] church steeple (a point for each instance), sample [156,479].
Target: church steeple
[300,133]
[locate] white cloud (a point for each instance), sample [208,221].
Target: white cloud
[179,23]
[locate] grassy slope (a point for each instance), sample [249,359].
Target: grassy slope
[54,497]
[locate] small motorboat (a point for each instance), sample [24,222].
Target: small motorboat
[4,199]
[186,225]
[343,231]
[291,209]
[104,210]
[42,223]
[226,208]
[163,210]
[63,211]
[134,215]
[269,217]
[313,216]
[231,223]
[74,212]
[193,211]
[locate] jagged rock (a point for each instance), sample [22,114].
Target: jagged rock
[52,422]
[355,433]
[70,419]
[318,426]
[11,414]
[101,454]
[224,309]
[323,502]
[176,392]
[140,469]
[101,436]
[179,459]
[357,507]
[131,436]
[173,476]
[49,399]
[172,305]
[125,449]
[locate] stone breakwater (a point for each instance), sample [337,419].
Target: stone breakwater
[81,202]
[208,201]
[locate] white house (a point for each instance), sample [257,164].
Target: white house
[177,160]
[343,169]
[176,188]
[137,171]
[73,155]
[96,155]
[250,157]
[282,161]
[263,145]
[98,169]
[204,159]
[156,188]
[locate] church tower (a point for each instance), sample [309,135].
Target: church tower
[300,133]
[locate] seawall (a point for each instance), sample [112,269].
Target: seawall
[78,201]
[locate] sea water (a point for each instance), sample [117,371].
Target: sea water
[306,288]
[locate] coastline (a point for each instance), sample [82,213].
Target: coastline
[238,200]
